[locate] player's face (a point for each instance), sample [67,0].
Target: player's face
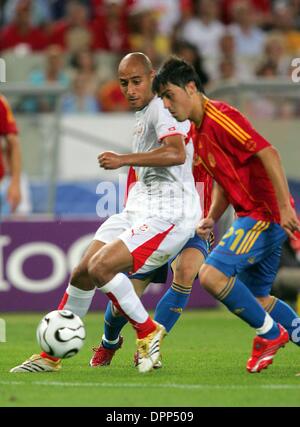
[177,100]
[136,84]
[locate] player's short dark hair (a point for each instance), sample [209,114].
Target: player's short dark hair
[178,72]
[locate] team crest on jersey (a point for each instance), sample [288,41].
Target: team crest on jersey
[141,229]
[139,129]
[250,145]
[196,160]
[212,160]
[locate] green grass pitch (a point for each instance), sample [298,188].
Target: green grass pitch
[204,365]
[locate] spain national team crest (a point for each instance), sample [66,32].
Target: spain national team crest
[212,160]
[197,160]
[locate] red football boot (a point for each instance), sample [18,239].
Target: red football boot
[264,350]
[103,356]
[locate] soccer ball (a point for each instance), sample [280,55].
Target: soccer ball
[61,334]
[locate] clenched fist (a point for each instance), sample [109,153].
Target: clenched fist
[205,227]
[110,160]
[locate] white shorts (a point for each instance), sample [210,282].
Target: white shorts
[151,241]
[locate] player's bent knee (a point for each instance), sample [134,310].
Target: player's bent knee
[99,269]
[185,275]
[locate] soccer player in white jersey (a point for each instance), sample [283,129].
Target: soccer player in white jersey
[160,216]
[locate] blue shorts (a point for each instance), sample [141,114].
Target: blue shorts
[251,251]
[160,274]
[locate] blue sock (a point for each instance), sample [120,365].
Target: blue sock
[240,301]
[112,327]
[171,305]
[287,317]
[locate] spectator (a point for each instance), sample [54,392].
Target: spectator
[189,52]
[167,13]
[230,67]
[227,67]
[296,8]
[275,52]
[262,9]
[111,97]
[21,31]
[267,70]
[110,28]
[12,159]
[145,36]
[204,31]
[249,39]
[227,71]
[83,63]
[79,100]
[53,73]
[73,33]
[285,22]
[40,11]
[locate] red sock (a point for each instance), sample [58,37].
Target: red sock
[46,356]
[144,329]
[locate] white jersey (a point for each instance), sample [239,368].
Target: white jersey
[166,192]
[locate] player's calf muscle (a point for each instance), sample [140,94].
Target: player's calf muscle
[212,279]
[265,301]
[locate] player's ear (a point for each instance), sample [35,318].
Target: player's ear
[191,88]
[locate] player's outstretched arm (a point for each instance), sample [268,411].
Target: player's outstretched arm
[171,153]
[219,205]
[271,160]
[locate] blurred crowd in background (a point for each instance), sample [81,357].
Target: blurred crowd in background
[228,41]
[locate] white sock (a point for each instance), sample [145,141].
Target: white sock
[267,326]
[122,291]
[78,301]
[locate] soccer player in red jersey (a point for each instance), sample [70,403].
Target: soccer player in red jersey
[9,132]
[249,175]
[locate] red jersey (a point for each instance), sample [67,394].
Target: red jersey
[7,125]
[226,144]
[203,180]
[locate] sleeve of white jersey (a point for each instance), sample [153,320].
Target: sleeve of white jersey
[165,125]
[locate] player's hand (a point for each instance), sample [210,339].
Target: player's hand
[289,221]
[110,160]
[14,195]
[205,227]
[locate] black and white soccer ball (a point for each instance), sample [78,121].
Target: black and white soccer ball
[61,333]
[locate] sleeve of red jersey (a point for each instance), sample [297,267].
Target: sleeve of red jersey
[239,134]
[7,121]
